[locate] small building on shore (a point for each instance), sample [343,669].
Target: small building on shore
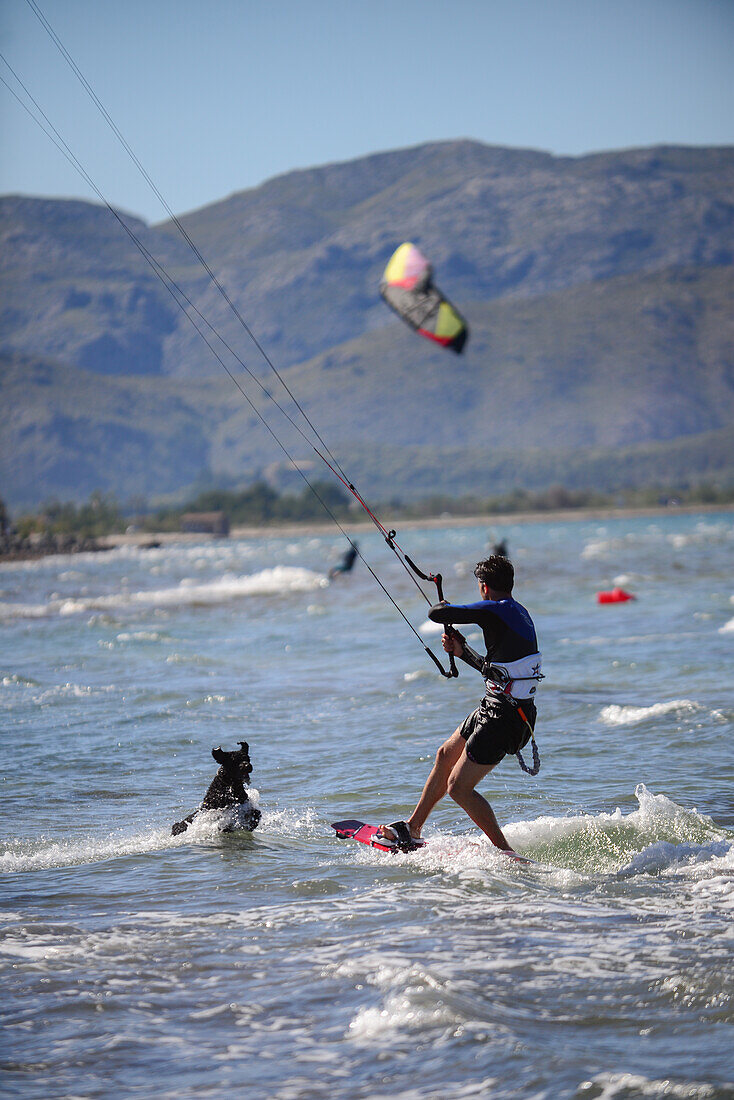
[206,523]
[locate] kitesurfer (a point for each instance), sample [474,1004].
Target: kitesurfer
[347,563]
[504,720]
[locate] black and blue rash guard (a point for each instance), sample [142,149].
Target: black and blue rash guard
[513,662]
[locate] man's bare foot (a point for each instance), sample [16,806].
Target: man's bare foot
[400,833]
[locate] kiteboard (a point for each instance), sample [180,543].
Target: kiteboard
[370,835]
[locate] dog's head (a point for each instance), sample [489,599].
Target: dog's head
[234,765]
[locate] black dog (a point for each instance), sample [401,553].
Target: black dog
[227,790]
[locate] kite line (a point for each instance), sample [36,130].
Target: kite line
[205,329]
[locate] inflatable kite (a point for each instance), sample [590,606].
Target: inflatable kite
[407,287]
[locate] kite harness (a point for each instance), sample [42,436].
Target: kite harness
[503,678]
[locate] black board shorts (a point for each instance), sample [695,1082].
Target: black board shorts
[495,729]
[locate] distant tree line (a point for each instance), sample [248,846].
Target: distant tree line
[100,515]
[557,498]
[260,504]
[58,529]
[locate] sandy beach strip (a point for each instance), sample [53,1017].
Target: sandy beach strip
[358,525]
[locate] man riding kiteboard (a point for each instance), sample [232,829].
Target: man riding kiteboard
[504,720]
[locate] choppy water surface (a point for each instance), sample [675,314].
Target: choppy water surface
[288,964]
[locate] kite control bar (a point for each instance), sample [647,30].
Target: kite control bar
[434,578]
[405,561]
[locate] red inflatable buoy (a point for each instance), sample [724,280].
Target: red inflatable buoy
[617,595]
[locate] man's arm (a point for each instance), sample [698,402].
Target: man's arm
[455,643]
[470,656]
[458,612]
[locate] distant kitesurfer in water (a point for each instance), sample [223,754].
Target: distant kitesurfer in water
[500,549]
[347,563]
[504,720]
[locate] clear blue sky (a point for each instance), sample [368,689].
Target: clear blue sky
[218,95]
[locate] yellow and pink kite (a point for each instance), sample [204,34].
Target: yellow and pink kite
[407,287]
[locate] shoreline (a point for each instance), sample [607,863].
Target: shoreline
[155,540]
[292,530]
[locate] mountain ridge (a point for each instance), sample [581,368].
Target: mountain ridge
[598,291]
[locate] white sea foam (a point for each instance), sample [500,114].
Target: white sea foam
[140,636]
[290,823]
[633,1086]
[471,859]
[727,628]
[399,1014]
[610,842]
[45,853]
[72,691]
[210,823]
[665,856]
[188,593]
[37,951]
[415,998]
[429,627]
[23,611]
[604,545]
[14,680]
[659,836]
[40,855]
[616,715]
[599,548]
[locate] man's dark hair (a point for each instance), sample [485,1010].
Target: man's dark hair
[496,572]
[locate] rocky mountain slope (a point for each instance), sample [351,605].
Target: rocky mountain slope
[598,291]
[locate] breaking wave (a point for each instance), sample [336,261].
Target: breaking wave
[188,593]
[616,715]
[605,545]
[657,838]
[45,853]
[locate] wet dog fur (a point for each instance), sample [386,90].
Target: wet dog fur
[227,789]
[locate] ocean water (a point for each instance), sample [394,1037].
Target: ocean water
[288,964]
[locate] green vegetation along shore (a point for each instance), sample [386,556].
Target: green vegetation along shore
[63,528]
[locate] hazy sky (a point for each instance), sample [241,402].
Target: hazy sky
[218,95]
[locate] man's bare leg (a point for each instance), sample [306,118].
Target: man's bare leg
[436,784]
[461,783]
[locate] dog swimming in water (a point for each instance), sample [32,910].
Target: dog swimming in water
[227,792]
